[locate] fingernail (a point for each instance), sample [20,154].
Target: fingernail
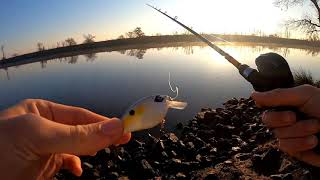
[312,140]
[111,127]
[78,171]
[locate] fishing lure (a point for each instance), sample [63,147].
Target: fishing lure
[150,111]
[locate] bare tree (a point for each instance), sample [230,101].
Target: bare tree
[287,33]
[138,32]
[314,37]
[308,23]
[70,42]
[40,46]
[121,37]
[89,38]
[3,54]
[130,35]
[260,33]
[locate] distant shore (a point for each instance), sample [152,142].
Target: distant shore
[147,42]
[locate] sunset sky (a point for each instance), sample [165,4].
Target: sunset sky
[26,22]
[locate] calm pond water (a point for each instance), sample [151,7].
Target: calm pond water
[107,83]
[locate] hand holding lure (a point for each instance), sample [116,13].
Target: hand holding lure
[150,111]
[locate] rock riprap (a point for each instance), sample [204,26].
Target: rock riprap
[222,143]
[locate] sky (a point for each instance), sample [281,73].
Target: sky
[24,23]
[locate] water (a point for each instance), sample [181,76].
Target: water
[107,83]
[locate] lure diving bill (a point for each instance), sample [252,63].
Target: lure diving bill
[149,112]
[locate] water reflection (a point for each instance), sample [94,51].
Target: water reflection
[138,53]
[313,52]
[43,64]
[284,51]
[7,73]
[90,57]
[116,79]
[188,49]
[72,59]
[68,60]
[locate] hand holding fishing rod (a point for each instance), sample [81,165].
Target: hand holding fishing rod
[273,72]
[296,138]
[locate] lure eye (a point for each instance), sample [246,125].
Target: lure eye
[158,99]
[131,112]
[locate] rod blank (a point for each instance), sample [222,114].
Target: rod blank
[227,56]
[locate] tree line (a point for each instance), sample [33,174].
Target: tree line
[135,33]
[88,38]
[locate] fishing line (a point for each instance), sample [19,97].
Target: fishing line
[176,88]
[227,56]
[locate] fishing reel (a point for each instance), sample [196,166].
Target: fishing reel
[273,72]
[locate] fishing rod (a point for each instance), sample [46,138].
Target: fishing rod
[232,60]
[273,70]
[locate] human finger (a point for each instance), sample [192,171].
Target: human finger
[59,113]
[298,144]
[309,157]
[299,129]
[49,137]
[124,139]
[72,163]
[296,96]
[274,119]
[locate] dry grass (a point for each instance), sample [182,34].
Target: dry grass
[305,77]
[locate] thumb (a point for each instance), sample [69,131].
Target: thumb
[296,96]
[81,139]
[72,163]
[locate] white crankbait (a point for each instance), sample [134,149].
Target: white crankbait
[148,112]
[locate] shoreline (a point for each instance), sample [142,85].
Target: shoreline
[148,42]
[222,143]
